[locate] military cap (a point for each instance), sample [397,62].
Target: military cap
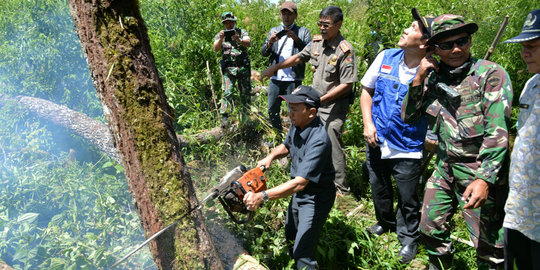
[227,16]
[530,30]
[447,25]
[424,22]
[303,94]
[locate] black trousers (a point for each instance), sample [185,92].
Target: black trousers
[306,216]
[521,251]
[406,173]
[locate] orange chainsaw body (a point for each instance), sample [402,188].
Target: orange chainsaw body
[253,180]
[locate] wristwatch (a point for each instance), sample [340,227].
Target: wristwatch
[265,196]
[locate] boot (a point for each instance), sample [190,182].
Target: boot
[440,262]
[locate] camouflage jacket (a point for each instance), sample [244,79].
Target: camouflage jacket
[472,131]
[234,53]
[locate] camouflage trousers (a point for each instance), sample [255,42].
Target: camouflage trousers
[232,75]
[484,224]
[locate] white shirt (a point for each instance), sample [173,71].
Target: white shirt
[523,203]
[406,74]
[286,52]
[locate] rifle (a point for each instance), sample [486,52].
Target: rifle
[497,38]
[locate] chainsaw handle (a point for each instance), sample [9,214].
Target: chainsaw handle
[237,184]
[263,168]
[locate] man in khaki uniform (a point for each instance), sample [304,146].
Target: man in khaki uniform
[332,60]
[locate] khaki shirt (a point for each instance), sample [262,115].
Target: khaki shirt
[332,62]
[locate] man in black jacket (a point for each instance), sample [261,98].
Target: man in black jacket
[282,42]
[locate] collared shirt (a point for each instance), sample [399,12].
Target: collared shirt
[406,74]
[332,62]
[311,156]
[286,45]
[304,38]
[523,203]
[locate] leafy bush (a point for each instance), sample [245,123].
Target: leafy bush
[40,55]
[56,212]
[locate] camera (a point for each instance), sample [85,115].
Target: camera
[449,93]
[281,33]
[228,34]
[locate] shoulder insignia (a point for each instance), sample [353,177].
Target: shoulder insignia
[317,38]
[349,61]
[344,46]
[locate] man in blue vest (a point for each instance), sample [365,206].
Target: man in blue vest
[395,148]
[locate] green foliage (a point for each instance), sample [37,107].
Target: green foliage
[57,213]
[40,55]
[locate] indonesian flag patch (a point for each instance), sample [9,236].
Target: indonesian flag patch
[386,69]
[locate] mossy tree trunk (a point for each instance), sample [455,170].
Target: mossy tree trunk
[115,40]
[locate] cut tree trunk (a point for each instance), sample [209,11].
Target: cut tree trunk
[115,41]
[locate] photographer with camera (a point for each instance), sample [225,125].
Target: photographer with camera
[235,65]
[282,42]
[472,128]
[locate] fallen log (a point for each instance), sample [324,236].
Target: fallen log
[95,132]
[231,252]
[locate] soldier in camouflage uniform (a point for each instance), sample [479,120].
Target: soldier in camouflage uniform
[235,65]
[471,118]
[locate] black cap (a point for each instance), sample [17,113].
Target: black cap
[303,94]
[424,22]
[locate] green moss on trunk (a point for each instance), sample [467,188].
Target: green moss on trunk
[139,97]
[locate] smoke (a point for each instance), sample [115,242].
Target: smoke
[63,203]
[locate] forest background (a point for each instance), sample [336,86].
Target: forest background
[65,205]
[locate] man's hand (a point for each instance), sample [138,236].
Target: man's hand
[253,200]
[265,162]
[430,145]
[370,135]
[236,37]
[291,34]
[476,194]
[273,38]
[222,34]
[427,64]
[268,73]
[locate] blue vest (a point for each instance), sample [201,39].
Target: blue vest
[386,110]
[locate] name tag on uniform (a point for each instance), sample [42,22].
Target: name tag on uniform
[386,69]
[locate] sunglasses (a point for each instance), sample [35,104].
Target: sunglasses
[460,42]
[324,24]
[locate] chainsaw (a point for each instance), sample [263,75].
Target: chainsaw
[230,192]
